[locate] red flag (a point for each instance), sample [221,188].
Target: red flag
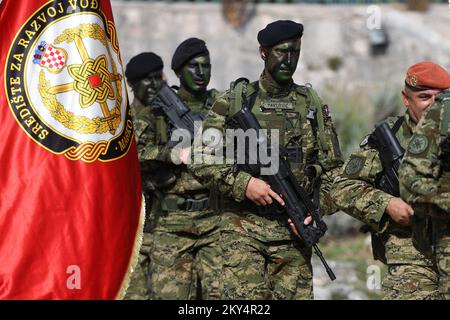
[70,197]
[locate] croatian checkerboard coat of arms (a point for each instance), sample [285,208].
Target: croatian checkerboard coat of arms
[65,83]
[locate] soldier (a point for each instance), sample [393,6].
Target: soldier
[425,175]
[357,191]
[184,261]
[144,74]
[262,259]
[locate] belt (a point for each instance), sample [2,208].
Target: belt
[178,203]
[227,204]
[194,204]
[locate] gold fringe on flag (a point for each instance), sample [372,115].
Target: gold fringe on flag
[135,255]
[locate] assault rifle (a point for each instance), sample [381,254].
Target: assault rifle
[298,205]
[391,154]
[177,114]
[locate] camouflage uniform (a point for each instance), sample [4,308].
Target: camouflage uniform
[138,288]
[184,249]
[136,108]
[411,275]
[144,73]
[425,183]
[262,260]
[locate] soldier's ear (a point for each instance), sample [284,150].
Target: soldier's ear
[263,53]
[405,98]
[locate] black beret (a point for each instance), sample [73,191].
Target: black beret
[278,31]
[142,64]
[186,50]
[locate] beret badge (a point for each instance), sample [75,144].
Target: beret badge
[413,80]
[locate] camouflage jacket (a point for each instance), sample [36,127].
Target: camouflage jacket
[423,180]
[354,190]
[355,193]
[140,117]
[136,107]
[294,129]
[152,137]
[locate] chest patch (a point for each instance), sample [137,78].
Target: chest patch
[277,105]
[418,144]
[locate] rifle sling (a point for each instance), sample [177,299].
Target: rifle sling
[397,124]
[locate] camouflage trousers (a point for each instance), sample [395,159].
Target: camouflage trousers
[139,288]
[411,276]
[411,282]
[442,241]
[255,270]
[185,259]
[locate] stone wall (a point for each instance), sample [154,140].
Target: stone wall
[332,33]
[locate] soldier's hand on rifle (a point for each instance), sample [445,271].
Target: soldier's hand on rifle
[185,154]
[399,211]
[307,221]
[261,193]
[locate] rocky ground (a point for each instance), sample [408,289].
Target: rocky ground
[358,276]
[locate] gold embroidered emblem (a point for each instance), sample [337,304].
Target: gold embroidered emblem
[68,91]
[92,81]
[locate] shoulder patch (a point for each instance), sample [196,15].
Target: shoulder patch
[418,144]
[355,165]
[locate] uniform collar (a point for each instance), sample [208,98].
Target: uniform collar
[188,97]
[137,103]
[409,122]
[272,89]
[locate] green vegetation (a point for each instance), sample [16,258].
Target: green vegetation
[352,115]
[355,113]
[334,63]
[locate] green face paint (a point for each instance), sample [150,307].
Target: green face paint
[281,60]
[146,88]
[195,74]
